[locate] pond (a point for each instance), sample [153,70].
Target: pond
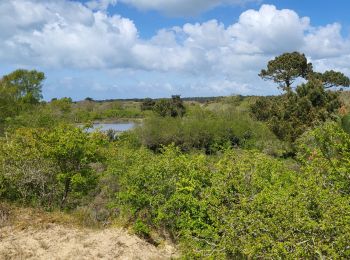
[118,127]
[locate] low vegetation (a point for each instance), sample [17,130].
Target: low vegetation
[231,178]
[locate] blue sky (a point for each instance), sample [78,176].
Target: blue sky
[143,48]
[321,11]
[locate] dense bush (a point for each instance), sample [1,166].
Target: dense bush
[293,113]
[208,131]
[326,150]
[240,205]
[173,107]
[234,204]
[147,104]
[49,167]
[25,175]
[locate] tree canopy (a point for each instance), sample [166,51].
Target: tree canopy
[310,104]
[331,78]
[286,68]
[19,90]
[27,84]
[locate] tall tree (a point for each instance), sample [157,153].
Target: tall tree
[19,90]
[28,84]
[310,104]
[286,68]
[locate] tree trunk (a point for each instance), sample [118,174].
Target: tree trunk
[66,191]
[288,86]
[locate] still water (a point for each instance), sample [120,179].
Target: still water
[119,127]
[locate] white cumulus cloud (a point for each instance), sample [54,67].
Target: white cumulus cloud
[326,42]
[64,33]
[71,35]
[100,4]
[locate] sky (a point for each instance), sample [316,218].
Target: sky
[108,49]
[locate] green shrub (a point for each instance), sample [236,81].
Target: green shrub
[141,229]
[293,113]
[173,107]
[241,204]
[208,131]
[259,208]
[44,166]
[326,151]
[147,104]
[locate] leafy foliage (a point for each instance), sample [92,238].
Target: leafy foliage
[346,123]
[240,205]
[208,131]
[331,78]
[19,91]
[211,186]
[326,150]
[285,68]
[147,104]
[28,84]
[310,104]
[292,114]
[44,166]
[170,107]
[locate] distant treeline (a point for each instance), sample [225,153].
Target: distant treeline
[197,99]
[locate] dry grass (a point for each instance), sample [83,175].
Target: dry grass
[22,218]
[4,214]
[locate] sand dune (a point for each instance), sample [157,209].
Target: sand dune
[59,241]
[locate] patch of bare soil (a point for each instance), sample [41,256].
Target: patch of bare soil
[37,236]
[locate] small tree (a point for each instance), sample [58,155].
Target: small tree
[286,68]
[73,150]
[178,106]
[173,107]
[19,90]
[64,105]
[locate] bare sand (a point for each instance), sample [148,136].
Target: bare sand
[45,239]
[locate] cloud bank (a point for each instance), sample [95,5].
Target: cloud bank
[66,34]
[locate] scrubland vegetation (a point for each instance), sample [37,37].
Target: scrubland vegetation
[238,177]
